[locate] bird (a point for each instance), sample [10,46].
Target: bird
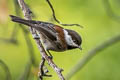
[52,36]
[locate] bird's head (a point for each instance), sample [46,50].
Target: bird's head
[73,39]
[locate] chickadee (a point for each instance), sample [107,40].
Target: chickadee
[53,37]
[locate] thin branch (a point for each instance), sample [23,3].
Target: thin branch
[42,70]
[51,63]
[12,38]
[110,12]
[6,69]
[25,75]
[27,15]
[90,54]
[14,35]
[27,38]
[41,73]
[30,47]
[53,11]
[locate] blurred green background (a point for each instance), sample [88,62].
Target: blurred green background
[101,21]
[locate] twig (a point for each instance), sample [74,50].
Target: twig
[27,15]
[26,73]
[41,73]
[15,30]
[110,12]
[6,69]
[25,31]
[42,70]
[90,54]
[51,63]
[30,46]
[14,35]
[49,3]
[12,38]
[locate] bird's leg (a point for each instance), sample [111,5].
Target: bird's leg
[50,55]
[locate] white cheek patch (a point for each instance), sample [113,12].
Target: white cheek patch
[68,39]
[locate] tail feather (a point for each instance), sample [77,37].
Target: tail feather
[38,25]
[20,20]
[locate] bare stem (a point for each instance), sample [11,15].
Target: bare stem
[6,69]
[53,11]
[27,15]
[25,75]
[41,73]
[109,11]
[90,54]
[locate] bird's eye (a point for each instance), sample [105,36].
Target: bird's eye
[74,41]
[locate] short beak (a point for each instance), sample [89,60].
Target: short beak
[80,47]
